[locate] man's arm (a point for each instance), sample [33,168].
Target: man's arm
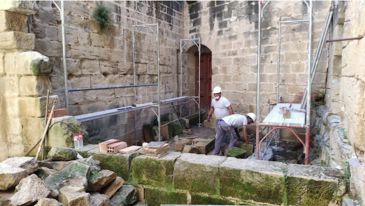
[210,113]
[230,109]
[244,131]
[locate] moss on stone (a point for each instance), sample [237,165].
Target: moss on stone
[309,191]
[236,152]
[251,186]
[155,196]
[200,198]
[154,171]
[114,162]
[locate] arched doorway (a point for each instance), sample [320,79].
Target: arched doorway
[205,74]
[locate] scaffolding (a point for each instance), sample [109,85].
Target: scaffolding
[155,106]
[274,120]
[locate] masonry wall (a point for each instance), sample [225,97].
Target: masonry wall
[346,87]
[229,30]
[98,58]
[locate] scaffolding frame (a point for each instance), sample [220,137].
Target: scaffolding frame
[196,42]
[261,9]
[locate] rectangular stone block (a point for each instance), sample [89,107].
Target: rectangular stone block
[13,40]
[27,63]
[252,180]
[118,163]
[35,106]
[312,185]
[12,21]
[198,173]
[155,196]
[32,130]
[204,199]
[149,170]
[33,85]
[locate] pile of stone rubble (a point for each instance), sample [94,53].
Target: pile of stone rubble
[64,179]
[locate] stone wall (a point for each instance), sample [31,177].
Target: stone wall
[183,178]
[346,86]
[229,30]
[24,82]
[98,58]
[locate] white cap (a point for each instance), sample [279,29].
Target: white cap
[217,89]
[252,116]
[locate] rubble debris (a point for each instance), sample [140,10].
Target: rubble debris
[62,154]
[156,148]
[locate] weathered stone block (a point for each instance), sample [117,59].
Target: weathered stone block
[118,163]
[10,41]
[97,199]
[34,106]
[99,179]
[114,187]
[251,180]
[27,163]
[198,173]
[311,185]
[13,21]
[72,196]
[155,196]
[27,63]
[127,195]
[10,176]
[61,154]
[29,190]
[23,7]
[33,85]
[62,130]
[74,174]
[148,170]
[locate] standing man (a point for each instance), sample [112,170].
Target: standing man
[220,106]
[226,125]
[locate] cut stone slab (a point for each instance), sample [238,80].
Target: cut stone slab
[62,154]
[252,180]
[74,174]
[197,173]
[149,170]
[130,149]
[27,163]
[100,179]
[155,196]
[98,199]
[312,185]
[10,176]
[114,187]
[127,195]
[74,196]
[48,202]
[118,163]
[14,40]
[30,190]
[204,145]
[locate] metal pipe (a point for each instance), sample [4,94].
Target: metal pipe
[309,85]
[258,81]
[158,82]
[181,48]
[278,66]
[64,52]
[112,87]
[134,66]
[345,39]
[199,48]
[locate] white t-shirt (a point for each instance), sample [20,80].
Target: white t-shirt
[221,107]
[235,120]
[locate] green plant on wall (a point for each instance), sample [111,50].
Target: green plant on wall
[101,15]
